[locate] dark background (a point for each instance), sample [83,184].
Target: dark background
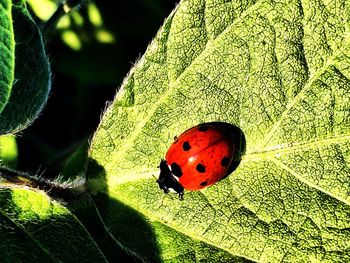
[84,80]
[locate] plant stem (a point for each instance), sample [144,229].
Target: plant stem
[52,188]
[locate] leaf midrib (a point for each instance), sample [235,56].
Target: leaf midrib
[307,182]
[269,152]
[253,157]
[295,146]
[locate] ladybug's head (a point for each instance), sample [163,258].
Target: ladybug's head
[167,181]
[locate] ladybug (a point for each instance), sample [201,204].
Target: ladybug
[198,158]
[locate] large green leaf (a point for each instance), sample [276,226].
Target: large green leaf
[34,228]
[7,57]
[32,74]
[279,71]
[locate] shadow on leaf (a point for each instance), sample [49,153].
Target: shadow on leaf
[126,234]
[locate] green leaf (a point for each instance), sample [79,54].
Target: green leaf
[32,75]
[279,71]
[7,48]
[34,228]
[8,151]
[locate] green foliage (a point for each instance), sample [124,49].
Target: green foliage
[8,151]
[77,28]
[32,75]
[6,52]
[36,229]
[279,71]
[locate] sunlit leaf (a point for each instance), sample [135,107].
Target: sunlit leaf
[279,71]
[34,228]
[8,151]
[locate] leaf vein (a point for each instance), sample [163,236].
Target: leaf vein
[300,95]
[187,233]
[35,241]
[287,148]
[307,182]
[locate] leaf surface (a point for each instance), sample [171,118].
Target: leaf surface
[32,74]
[34,228]
[279,71]
[7,50]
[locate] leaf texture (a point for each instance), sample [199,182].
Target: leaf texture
[34,228]
[32,74]
[279,70]
[7,49]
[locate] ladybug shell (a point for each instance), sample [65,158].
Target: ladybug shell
[201,156]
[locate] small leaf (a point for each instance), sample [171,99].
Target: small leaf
[279,71]
[34,228]
[32,75]
[7,50]
[8,151]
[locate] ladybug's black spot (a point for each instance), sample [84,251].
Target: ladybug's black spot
[200,168]
[186,146]
[203,128]
[225,161]
[204,183]
[176,170]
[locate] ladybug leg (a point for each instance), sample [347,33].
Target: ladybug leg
[162,186]
[175,138]
[181,196]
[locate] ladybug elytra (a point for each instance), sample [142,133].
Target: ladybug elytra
[199,157]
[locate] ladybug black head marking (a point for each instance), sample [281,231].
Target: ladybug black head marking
[167,181]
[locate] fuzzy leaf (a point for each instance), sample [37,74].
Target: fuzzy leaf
[32,74]
[7,50]
[34,228]
[279,71]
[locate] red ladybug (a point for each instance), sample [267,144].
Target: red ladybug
[198,158]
